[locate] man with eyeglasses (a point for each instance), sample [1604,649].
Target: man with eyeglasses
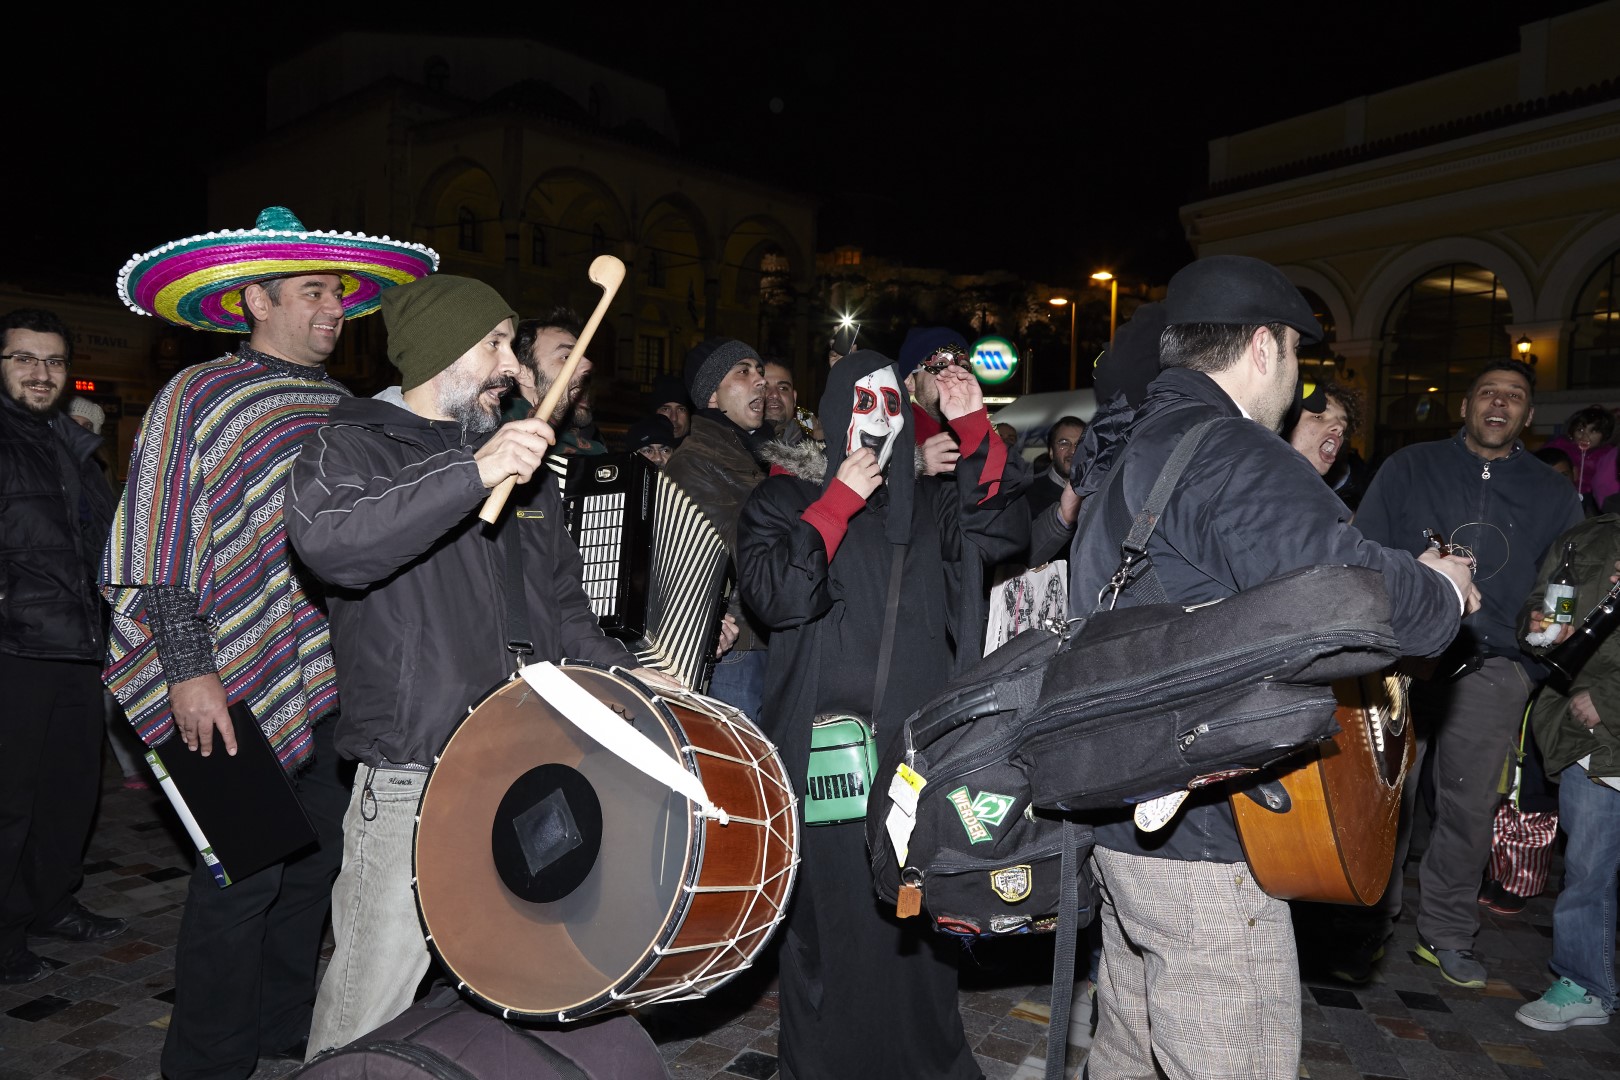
[927,351]
[55,506]
[1061,443]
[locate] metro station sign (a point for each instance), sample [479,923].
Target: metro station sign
[995,360]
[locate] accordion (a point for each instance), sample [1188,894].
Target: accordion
[655,565]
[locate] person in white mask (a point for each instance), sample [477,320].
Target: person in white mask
[819,543]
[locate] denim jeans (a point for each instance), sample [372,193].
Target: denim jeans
[1583,918]
[380,953]
[739,680]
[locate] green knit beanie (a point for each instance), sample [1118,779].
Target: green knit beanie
[434,320]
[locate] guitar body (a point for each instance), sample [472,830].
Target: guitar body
[1335,842]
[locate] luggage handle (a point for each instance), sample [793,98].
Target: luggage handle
[950,715]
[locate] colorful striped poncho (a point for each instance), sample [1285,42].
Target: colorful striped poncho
[202,510]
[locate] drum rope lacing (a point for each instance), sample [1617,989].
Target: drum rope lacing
[732,948]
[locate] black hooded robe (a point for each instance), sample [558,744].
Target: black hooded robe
[864,994]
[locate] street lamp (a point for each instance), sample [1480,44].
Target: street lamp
[1074,346]
[1113,299]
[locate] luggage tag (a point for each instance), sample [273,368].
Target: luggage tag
[904,788]
[910,902]
[1155,814]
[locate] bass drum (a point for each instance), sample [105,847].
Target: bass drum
[555,880]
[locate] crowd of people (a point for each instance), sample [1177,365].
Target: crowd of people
[317,557]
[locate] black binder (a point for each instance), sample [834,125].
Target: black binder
[241,811]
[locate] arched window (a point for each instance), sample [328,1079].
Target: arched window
[1594,337]
[1317,362]
[599,244]
[1440,331]
[655,270]
[775,284]
[539,255]
[436,73]
[467,232]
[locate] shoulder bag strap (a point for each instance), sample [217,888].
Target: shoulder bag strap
[1063,949]
[1134,562]
[891,613]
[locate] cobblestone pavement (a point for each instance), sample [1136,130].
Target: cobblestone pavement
[104,1009]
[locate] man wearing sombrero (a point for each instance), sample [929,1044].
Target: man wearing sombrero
[208,610]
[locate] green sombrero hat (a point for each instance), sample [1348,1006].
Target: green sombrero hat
[198,281]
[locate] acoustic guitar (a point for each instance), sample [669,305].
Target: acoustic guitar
[1333,837]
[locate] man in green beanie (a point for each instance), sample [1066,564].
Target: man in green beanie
[382,505]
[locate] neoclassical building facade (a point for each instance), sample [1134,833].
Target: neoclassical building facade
[1435,226]
[520,163]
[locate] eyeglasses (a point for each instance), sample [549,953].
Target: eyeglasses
[28,360]
[949,356]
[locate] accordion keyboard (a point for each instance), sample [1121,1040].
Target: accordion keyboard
[656,568]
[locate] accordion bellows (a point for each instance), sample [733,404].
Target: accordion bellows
[655,566]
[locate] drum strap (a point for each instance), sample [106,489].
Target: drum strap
[518,641]
[593,718]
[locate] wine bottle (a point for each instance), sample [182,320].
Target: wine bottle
[1558,604]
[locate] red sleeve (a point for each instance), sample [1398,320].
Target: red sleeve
[925,426]
[972,429]
[830,514]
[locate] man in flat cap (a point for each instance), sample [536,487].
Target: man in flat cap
[383,506]
[1199,976]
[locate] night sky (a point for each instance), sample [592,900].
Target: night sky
[990,136]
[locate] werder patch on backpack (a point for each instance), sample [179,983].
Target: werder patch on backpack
[970,820]
[991,808]
[1013,883]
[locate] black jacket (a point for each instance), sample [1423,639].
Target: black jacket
[1508,512]
[715,469]
[826,618]
[1248,508]
[382,505]
[55,510]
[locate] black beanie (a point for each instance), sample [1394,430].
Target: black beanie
[924,341]
[1132,361]
[653,431]
[708,362]
[667,388]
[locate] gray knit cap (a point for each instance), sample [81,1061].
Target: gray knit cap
[708,362]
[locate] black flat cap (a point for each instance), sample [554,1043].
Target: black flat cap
[1236,290]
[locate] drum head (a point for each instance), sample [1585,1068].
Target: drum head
[547,868]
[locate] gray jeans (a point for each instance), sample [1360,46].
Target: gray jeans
[380,954]
[1472,723]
